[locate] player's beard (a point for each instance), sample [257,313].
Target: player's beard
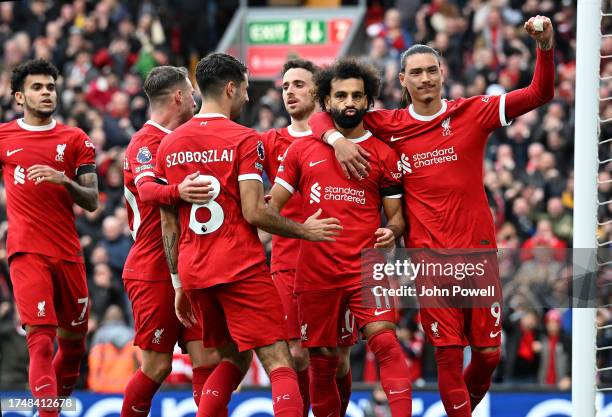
[40,114]
[303,113]
[345,121]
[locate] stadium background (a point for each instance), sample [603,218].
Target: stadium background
[105,48]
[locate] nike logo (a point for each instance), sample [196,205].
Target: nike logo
[345,336]
[378,313]
[137,410]
[398,392]
[77,323]
[456,407]
[494,334]
[312,164]
[41,387]
[9,153]
[393,138]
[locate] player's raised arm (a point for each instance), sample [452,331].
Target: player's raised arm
[542,87]
[259,214]
[84,190]
[192,190]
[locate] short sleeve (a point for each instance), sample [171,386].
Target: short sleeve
[268,138]
[391,177]
[141,161]
[288,175]
[383,123]
[85,155]
[251,157]
[490,111]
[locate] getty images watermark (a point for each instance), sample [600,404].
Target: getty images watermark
[479,278]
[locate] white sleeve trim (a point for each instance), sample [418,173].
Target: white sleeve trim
[502,111]
[394,196]
[142,175]
[285,185]
[245,177]
[163,179]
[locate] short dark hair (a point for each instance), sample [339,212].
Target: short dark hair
[343,69]
[161,81]
[216,70]
[31,67]
[300,63]
[415,49]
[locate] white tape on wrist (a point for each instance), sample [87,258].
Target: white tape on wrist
[176,281]
[331,139]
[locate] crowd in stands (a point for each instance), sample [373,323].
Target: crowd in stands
[103,50]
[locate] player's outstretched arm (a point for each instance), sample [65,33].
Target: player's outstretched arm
[170,237]
[84,190]
[385,236]
[261,215]
[192,189]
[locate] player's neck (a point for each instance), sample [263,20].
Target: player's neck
[33,120]
[299,125]
[215,108]
[166,120]
[352,133]
[424,108]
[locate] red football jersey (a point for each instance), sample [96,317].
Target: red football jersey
[146,260]
[284,250]
[442,161]
[217,245]
[310,167]
[40,217]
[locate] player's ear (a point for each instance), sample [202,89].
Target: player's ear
[327,102]
[402,76]
[19,98]
[230,89]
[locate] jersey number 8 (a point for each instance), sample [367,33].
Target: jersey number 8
[216,211]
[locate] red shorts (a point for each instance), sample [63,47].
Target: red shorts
[325,318]
[50,291]
[247,312]
[284,281]
[155,322]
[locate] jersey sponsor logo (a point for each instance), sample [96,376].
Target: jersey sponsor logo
[314,164]
[393,138]
[435,157]
[446,127]
[304,332]
[315,193]
[346,194]
[89,144]
[143,168]
[158,335]
[41,309]
[403,165]
[60,149]
[434,329]
[126,164]
[485,99]
[19,175]
[144,155]
[261,153]
[205,156]
[14,151]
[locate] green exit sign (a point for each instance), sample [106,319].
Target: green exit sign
[289,32]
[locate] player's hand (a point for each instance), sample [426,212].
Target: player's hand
[385,239]
[321,230]
[182,307]
[194,190]
[41,173]
[352,158]
[544,38]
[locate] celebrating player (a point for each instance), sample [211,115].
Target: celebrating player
[298,97]
[47,166]
[328,276]
[146,275]
[445,207]
[222,264]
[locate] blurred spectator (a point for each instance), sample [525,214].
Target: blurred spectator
[377,405]
[555,364]
[13,349]
[104,290]
[396,38]
[116,243]
[523,346]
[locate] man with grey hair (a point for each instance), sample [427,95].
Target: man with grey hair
[146,276]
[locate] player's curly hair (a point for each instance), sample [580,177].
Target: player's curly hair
[343,69]
[216,70]
[31,67]
[413,50]
[300,63]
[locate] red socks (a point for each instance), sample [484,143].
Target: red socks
[200,375]
[477,375]
[324,396]
[452,388]
[67,364]
[218,389]
[43,382]
[139,393]
[344,384]
[304,383]
[286,398]
[394,372]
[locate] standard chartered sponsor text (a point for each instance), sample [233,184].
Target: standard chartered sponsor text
[348,194]
[434,157]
